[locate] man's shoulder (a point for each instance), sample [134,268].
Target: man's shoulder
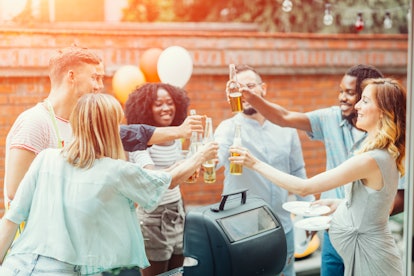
[226,123]
[326,116]
[34,114]
[31,125]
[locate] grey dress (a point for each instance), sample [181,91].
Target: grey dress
[359,228]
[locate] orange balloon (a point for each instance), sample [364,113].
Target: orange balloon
[125,80]
[148,64]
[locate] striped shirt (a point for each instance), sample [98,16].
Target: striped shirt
[33,130]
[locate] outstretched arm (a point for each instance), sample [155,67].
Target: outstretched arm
[7,232]
[186,168]
[276,113]
[164,134]
[139,136]
[360,166]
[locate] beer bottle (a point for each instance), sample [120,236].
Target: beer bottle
[193,148]
[234,90]
[236,169]
[209,166]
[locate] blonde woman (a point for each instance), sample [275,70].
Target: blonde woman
[78,202]
[359,227]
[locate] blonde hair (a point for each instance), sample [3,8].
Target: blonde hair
[391,98]
[95,123]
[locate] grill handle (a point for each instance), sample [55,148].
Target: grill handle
[224,197]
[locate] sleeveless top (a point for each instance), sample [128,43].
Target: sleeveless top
[359,228]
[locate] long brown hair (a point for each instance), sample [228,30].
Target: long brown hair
[95,123]
[391,99]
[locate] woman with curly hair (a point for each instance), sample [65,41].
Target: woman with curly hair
[160,105]
[359,226]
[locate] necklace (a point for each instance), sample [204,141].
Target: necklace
[53,118]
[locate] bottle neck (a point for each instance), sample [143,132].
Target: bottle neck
[208,132]
[237,136]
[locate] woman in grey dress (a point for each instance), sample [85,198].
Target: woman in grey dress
[359,227]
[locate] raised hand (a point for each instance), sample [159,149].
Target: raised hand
[191,123]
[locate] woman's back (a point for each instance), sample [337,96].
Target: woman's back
[82,216]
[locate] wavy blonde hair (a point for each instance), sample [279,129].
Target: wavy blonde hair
[95,123]
[391,98]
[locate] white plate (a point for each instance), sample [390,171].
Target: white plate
[303,208]
[314,223]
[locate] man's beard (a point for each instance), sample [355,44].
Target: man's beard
[350,117]
[249,111]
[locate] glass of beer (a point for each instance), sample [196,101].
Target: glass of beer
[236,169]
[236,102]
[209,172]
[233,90]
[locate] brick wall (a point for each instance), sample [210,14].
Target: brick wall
[302,71]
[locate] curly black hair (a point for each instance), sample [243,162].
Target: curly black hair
[138,107]
[362,72]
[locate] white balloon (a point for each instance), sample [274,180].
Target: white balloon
[175,66]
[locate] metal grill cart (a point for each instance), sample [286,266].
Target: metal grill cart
[234,237]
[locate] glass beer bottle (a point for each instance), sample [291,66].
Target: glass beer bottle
[234,90]
[194,146]
[236,169]
[209,166]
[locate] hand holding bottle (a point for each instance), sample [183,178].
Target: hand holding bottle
[209,166]
[242,157]
[233,90]
[195,144]
[236,168]
[191,124]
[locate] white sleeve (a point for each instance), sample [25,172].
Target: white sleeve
[141,158]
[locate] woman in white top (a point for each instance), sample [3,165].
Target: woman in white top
[160,105]
[78,202]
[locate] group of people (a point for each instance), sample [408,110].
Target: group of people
[68,178]
[89,207]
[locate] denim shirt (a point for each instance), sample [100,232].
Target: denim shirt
[338,136]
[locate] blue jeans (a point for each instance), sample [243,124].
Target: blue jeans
[33,264]
[289,269]
[332,264]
